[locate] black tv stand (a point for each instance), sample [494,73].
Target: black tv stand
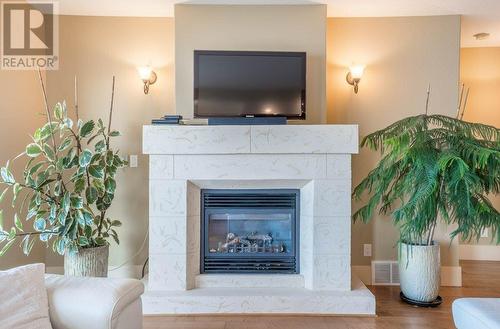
[246,121]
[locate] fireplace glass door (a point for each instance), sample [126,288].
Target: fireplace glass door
[249,231]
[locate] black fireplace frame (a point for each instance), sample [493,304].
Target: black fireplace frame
[290,261]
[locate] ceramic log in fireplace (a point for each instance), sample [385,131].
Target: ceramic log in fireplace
[250,231]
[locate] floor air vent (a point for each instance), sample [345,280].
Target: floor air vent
[385,273]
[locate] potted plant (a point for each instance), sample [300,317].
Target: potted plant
[65,191]
[433,168]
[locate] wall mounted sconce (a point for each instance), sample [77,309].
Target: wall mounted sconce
[354,76]
[148,77]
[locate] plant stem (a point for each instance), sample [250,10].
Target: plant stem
[103,212]
[76,99]
[460,100]
[430,238]
[33,189]
[427,100]
[49,117]
[465,104]
[111,111]
[34,233]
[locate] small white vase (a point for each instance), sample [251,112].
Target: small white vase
[420,271]
[87,262]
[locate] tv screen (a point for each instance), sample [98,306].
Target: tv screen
[241,83]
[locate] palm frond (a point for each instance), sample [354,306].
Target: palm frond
[434,167]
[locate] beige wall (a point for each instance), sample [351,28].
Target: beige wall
[21,109]
[402,56]
[95,49]
[480,71]
[274,28]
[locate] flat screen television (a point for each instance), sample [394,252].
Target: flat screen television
[249,83]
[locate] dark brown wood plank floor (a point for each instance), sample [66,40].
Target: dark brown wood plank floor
[480,279]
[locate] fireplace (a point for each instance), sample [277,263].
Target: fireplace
[249,231]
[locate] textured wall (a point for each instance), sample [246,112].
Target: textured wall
[95,49]
[20,114]
[480,71]
[402,56]
[273,28]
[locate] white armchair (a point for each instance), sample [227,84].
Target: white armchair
[475,313]
[97,303]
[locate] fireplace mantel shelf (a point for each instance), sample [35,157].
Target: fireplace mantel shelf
[286,139]
[315,159]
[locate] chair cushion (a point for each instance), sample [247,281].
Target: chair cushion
[84,302]
[23,298]
[474,313]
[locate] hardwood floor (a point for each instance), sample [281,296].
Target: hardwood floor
[480,279]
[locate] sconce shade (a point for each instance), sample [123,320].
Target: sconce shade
[357,71]
[145,72]
[354,75]
[148,76]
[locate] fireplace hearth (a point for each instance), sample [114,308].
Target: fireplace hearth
[250,231]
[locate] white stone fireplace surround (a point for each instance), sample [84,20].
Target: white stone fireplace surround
[315,159]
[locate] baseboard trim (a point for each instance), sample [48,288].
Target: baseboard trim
[451,276]
[127,271]
[479,252]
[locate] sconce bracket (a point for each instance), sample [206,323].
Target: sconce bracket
[352,81]
[152,79]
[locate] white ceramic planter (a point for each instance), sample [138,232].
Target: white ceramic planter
[87,262]
[420,271]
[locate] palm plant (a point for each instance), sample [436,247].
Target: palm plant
[434,166]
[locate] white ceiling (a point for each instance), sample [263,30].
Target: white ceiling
[478,15]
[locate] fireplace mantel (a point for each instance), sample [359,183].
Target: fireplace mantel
[291,139]
[316,159]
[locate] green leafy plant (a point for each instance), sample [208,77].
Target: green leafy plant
[434,167]
[67,186]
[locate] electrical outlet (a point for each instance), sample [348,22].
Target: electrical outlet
[132,162]
[484,233]
[367,250]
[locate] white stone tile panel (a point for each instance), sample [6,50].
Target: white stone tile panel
[305,139]
[168,235]
[250,281]
[338,166]
[167,197]
[332,235]
[167,272]
[332,197]
[174,234]
[196,139]
[251,183]
[250,166]
[161,166]
[332,272]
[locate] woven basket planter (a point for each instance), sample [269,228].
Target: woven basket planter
[87,262]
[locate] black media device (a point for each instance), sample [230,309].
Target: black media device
[249,87]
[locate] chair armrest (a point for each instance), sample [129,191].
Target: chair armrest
[82,302]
